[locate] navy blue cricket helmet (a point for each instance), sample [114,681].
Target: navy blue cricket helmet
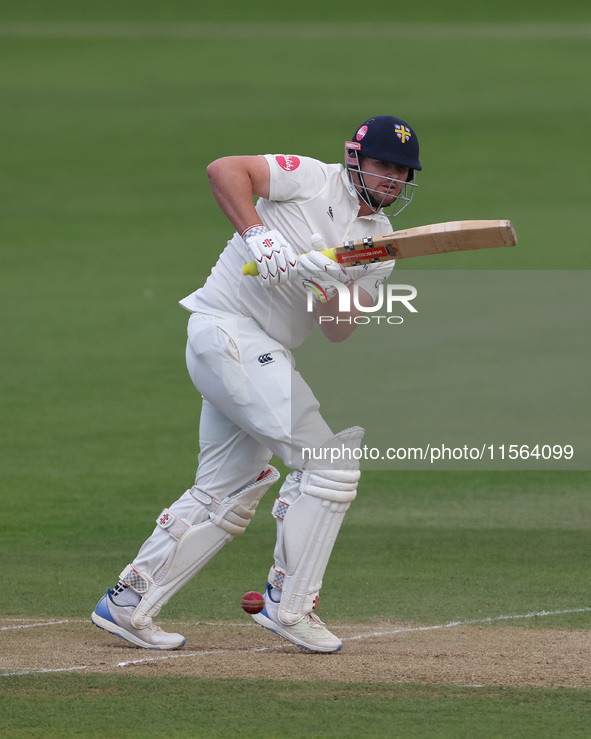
[387,139]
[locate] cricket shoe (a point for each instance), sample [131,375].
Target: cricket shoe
[116,619]
[309,633]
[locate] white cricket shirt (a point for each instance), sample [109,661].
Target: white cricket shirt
[306,196]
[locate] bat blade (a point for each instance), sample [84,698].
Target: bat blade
[438,238]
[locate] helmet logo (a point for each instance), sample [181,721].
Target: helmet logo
[288,163]
[402,132]
[361,133]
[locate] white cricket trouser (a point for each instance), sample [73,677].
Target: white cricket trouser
[255,405]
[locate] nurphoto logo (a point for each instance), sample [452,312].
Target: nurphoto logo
[389,297]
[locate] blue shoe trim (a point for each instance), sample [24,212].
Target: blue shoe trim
[268,593]
[102,608]
[102,618]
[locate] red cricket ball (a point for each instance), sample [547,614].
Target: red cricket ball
[252,602]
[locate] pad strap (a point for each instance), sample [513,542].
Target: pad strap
[280,508]
[135,579]
[175,526]
[276,577]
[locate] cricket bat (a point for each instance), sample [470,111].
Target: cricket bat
[438,238]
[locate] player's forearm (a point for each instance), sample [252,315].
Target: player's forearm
[235,182]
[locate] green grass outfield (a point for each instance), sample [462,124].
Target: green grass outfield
[106,222]
[116,707]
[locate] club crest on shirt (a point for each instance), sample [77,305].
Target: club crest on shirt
[288,162]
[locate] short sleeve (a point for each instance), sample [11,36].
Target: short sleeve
[295,178]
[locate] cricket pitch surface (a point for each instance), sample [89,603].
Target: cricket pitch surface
[467,654]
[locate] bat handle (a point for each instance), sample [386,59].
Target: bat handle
[251,269]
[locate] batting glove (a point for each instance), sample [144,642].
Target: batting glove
[275,258]
[319,273]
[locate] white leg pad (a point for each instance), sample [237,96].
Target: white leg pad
[196,545]
[311,525]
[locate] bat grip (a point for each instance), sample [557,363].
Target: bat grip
[251,269]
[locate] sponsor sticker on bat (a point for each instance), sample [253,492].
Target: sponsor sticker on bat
[373,252]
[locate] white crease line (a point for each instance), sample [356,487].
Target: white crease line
[209,623]
[40,623]
[176,655]
[28,619]
[204,653]
[39,670]
[389,632]
[87,620]
[472,622]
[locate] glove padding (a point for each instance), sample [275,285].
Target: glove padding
[275,258]
[319,273]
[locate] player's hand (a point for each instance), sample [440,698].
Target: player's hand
[275,259]
[319,273]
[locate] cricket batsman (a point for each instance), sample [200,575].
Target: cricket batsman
[284,210]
